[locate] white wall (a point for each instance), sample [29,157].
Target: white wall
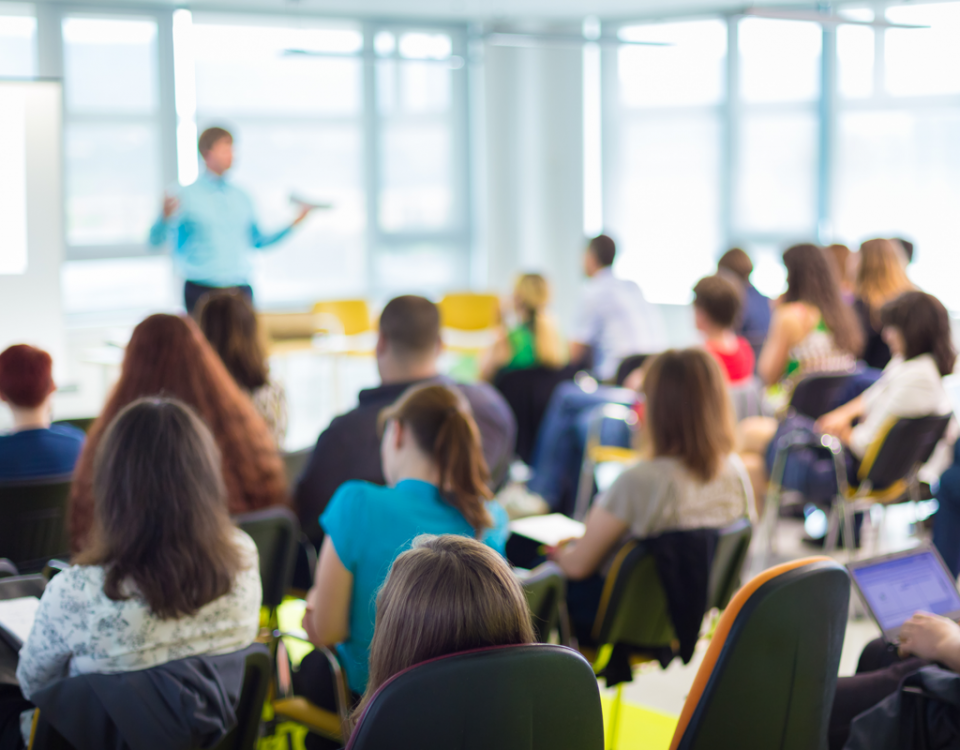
[30,309]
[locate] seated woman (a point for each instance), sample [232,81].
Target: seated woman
[533,340]
[35,447]
[168,355]
[228,321]
[881,277]
[445,594]
[812,331]
[436,478]
[166,575]
[692,480]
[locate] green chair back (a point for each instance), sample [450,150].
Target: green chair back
[33,521]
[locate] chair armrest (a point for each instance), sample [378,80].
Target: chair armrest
[342,689]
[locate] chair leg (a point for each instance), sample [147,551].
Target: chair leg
[614,726]
[771,508]
[585,488]
[833,527]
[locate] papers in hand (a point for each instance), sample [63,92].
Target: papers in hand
[550,530]
[17,616]
[312,205]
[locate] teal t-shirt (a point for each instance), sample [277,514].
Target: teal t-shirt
[370,526]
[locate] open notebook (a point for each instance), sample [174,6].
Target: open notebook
[16,619]
[550,530]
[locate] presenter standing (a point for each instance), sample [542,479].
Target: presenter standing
[213,227]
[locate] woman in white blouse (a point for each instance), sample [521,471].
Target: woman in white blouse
[916,327]
[167,576]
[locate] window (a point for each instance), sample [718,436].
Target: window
[112,136]
[18,42]
[663,166]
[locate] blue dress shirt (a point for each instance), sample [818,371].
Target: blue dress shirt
[214,233]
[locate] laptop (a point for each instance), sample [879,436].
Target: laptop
[893,587]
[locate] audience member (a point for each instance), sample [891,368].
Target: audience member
[35,448]
[755,320]
[692,480]
[716,309]
[165,574]
[812,331]
[844,265]
[436,476]
[881,277]
[444,595]
[533,340]
[228,321]
[407,351]
[924,639]
[614,320]
[168,355]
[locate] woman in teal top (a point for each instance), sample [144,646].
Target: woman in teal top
[436,478]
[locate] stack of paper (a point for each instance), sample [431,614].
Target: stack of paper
[549,530]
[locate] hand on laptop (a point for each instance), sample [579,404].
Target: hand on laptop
[931,637]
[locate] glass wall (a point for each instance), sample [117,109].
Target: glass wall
[18,41]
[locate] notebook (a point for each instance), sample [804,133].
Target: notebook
[893,587]
[16,619]
[550,529]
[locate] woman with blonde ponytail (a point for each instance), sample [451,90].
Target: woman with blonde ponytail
[436,484]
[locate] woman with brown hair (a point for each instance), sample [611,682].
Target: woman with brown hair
[165,574]
[168,355]
[443,595]
[881,277]
[437,484]
[229,322]
[692,480]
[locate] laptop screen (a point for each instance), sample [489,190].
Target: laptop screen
[897,588]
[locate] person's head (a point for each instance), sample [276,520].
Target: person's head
[432,426]
[409,341]
[716,303]
[445,595]
[737,262]
[811,279]
[907,247]
[167,355]
[601,252]
[842,260]
[160,510]
[689,415]
[882,273]
[26,378]
[916,323]
[530,295]
[216,148]
[228,321]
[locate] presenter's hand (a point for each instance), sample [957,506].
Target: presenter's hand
[304,213]
[170,206]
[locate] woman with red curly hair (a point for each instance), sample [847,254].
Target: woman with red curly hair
[169,356]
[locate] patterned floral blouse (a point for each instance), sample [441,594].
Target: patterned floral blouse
[78,630]
[270,401]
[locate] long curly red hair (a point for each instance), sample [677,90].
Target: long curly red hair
[168,356]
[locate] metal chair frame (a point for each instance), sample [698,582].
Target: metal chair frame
[592,455]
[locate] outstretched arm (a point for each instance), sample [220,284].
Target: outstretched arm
[265,240]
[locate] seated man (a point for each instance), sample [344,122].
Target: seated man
[35,448]
[716,308]
[407,351]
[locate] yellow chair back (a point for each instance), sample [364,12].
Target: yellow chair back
[469,312]
[353,314]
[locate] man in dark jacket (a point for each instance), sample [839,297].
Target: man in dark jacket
[407,351]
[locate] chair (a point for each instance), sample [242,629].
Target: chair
[287,332]
[34,521]
[733,544]
[468,311]
[815,395]
[528,394]
[888,472]
[81,423]
[546,589]
[769,675]
[596,453]
[747,399]
[528,697]
[276,532]
[249,708]
[17,587]
[347,317]
[294,462]
[7,568]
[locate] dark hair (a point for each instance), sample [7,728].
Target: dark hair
[411,325]
[210,136]
[161,518]
[689,415]
[604,249]
[228,321]
[26,375]
[446,594]
[737,262]
[441,423]
[811,278]
[719,298]
[925,326]
[168,355]
[907,246]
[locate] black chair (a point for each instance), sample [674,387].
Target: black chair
[33,521]
[546,589]
[7,568]
[733,544]
[276,532]
[17,587]
[530,697]
[628,365]
[244,736]
[81,423]
[528,393]
[817,394]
